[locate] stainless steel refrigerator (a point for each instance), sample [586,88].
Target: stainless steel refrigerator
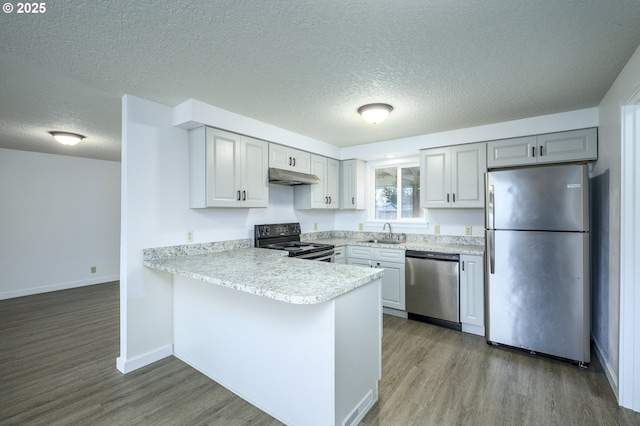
[537,274]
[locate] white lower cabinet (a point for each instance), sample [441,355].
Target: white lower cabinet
[392,261]
[472,294]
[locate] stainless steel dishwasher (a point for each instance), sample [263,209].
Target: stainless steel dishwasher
[433,287]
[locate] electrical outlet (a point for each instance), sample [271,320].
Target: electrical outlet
[93,269]
[436,229]
[468,230]
[189,236]
[360,226]
[315,226]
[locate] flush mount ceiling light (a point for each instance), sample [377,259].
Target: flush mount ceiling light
[66,138]
[375,113]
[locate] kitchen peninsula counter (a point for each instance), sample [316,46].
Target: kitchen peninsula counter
[299,339]
[269,274]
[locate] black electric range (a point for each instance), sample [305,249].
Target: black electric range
[286,236]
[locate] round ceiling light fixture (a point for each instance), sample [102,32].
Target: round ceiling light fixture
[375,113]
[66,138]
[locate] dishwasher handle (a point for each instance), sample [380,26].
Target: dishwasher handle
[451,257]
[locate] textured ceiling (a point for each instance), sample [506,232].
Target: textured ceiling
[306,66]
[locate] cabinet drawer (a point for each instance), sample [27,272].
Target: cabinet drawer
[360,252]
[389,255]
[339,253]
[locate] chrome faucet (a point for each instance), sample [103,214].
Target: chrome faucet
[385,227]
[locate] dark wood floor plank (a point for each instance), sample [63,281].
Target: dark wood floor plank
[57,367]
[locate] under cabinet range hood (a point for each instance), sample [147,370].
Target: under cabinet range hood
[291,178]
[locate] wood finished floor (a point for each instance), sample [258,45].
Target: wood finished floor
[57,367]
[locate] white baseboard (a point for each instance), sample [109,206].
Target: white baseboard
[394,312]
[608,371]
[127,366]
[55,287]
[473,329]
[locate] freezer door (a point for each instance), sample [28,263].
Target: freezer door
[553,198]
[538,292]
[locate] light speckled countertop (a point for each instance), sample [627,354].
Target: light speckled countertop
[266,273]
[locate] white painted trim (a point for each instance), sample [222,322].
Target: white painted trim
[127,366]
[57,286]
[629,370]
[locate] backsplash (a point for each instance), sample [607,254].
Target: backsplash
[428,238]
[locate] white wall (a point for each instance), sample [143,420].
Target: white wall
[606,278]
[59,216]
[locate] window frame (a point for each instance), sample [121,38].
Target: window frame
[399,163]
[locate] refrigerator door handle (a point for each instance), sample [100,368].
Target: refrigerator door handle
[490,210]
[491,249]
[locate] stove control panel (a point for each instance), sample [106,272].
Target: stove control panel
[277,230]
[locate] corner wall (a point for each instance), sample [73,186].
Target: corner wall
[606,254]
[59,216]
[156,213]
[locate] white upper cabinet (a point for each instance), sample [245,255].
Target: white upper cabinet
[324,195]
[284,157]
[453,177]
[575,145]
[353,185]
[227,170]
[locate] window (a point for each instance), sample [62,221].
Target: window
[396,192]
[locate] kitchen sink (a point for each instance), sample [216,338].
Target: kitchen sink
[383,241]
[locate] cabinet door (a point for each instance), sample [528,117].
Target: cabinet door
[511,152]
[353,185]
[333,183]
[472,292]
[435,178]
[222,171]
[468,166]
[393,292]
[568,146]
[255,173]
[319,198]
[280,157]
[301,161]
